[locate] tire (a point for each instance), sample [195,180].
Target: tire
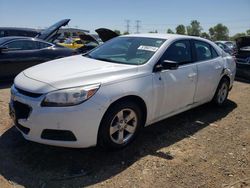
[120,125]
[221,93]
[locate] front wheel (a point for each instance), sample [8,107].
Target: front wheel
[120,125]
[221,93]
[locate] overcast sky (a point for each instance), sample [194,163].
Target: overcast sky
[154,14]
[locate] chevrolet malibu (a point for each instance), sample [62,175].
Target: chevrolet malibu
[106,96]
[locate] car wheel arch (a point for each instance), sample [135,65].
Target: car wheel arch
[134,98]
[226,77]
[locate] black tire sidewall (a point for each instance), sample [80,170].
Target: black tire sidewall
[104,139]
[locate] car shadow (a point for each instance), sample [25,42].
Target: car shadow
[239,79]
[35,165]
[6,84]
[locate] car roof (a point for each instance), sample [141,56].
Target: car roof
[18,29]
[224,41]
[163,36]
[11,38]
[175,37]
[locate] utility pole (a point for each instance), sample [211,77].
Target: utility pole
[127,25]
[137,26]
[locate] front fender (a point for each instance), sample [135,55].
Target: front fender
[140,87]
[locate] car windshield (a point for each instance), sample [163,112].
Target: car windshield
[127,50]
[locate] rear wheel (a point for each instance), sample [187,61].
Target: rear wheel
[221,93]
[120,125]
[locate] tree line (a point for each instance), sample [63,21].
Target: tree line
[218,32]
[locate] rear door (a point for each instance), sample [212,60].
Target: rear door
[210,67]
[175,89]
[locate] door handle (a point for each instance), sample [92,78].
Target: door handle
[191,75]
[217,67]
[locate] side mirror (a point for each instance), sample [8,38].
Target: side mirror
[167,65]
[3,49]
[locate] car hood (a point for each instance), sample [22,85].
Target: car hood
[50,32]
[78,71]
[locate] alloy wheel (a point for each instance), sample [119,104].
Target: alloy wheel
[123,126]
[222,93]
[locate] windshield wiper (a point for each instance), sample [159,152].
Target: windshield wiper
[101,59]
[87,55]
[107,60]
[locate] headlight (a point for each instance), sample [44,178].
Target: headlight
[70,96]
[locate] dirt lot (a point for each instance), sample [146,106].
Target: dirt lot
[204,147]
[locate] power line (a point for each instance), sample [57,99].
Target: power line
[215,22]
[127,25]
[137,26]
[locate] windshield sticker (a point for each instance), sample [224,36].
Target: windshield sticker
[148,48]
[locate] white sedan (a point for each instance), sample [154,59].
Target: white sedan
[106,96]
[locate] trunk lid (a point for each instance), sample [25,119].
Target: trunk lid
[106,34]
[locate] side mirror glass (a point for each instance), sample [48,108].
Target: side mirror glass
[169,65]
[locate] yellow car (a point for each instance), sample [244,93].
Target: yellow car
[72,43]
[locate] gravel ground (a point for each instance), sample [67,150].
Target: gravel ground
[203,147]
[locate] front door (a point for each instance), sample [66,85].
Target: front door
[20,55]
[175,89]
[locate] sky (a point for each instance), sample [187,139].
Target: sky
[153,14]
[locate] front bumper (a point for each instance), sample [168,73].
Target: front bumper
[81,120]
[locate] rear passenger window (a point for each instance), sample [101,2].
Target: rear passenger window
[42,45]
[203,51]
[214,53]
[179,51]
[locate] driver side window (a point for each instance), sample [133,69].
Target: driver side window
[179,52]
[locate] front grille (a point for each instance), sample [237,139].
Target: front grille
[22,111]
[29,94]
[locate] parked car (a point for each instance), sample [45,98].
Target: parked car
[73,43]
[19,53]
[107,95]
[243,57]
[226,48]
[91,41]
[230,44]
[14,31]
